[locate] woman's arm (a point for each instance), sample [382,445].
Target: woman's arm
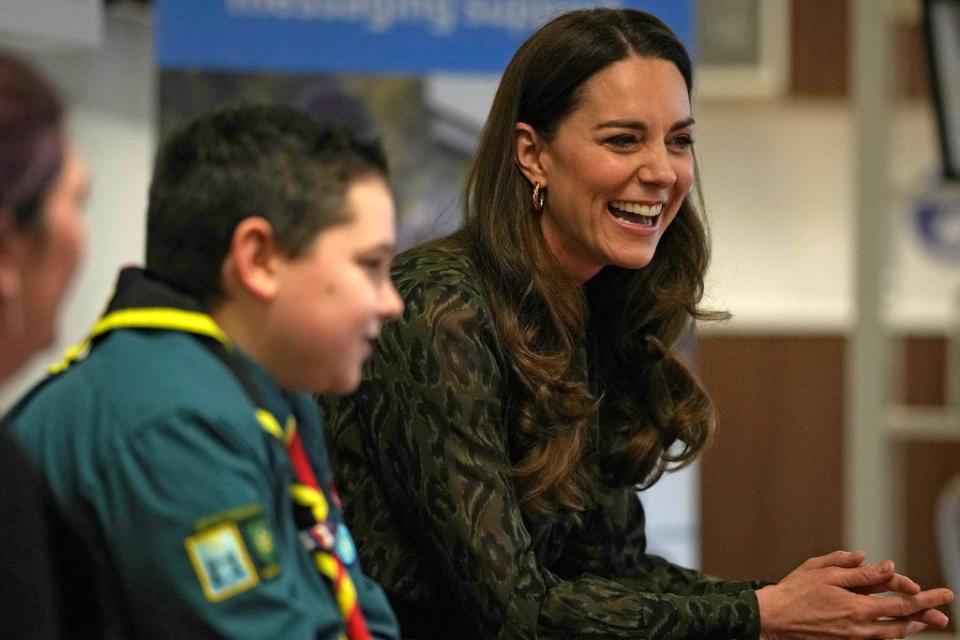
[434,409]
[612,544]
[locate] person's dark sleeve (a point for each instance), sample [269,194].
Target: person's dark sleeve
[443,448]
[28,592]
[657,572]
[612,544]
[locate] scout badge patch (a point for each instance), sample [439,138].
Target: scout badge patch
[232,552]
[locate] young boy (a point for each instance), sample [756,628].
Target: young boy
[178,438]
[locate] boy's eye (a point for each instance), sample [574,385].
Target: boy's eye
[376,266]
[372,264]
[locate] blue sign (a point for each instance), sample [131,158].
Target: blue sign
[366,36]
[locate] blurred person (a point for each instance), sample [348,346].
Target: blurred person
[43,185]
[491,456]
[177,437]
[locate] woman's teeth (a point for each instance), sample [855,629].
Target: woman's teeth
[636,213]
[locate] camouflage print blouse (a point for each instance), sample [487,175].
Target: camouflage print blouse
[422,456]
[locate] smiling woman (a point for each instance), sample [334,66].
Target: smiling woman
[490,459]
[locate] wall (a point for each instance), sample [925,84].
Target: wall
[777,179]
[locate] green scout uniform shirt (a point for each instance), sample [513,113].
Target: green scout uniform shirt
[153,450]
[422,454]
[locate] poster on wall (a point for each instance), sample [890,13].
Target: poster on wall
[367,36]
[368,64]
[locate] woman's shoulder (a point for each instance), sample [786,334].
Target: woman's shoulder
[443,295]
[438,267]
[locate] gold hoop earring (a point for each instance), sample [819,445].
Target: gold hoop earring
[539,194]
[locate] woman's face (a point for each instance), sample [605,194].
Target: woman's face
[617,169]
[39,264]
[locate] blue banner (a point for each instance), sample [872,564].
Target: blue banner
[366,36]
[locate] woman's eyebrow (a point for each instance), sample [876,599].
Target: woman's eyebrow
[640,125]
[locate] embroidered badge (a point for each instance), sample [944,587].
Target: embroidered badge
[221,562]
[345,547]
[257,532]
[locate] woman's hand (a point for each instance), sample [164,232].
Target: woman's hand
[829,597]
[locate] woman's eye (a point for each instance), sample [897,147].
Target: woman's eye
[622,141]
[683,141]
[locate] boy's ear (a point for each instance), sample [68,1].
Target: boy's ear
[10,254]
[251,263]
[530,153]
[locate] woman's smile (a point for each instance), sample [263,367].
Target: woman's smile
[636,215]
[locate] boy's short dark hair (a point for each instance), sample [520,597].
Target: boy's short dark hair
[272,162]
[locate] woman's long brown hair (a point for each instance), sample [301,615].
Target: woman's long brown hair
[653,412]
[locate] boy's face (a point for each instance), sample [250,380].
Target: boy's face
[333,299]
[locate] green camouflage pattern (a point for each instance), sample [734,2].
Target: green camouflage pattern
[422,453]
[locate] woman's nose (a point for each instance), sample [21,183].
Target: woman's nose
[656,168]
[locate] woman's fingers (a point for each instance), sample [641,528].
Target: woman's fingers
[904,606]
[847,559]
[932,617]
[867,575]
[823,601]
[898,583]
[929,617]
[891,629]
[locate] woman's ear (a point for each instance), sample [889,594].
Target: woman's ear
[530,152]
[251,263]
